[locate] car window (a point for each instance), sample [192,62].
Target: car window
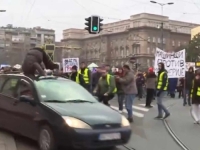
[2,80]
[24,88]
[62,90]
[9,87]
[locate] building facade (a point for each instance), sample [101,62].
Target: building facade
[16,41]
[139,36]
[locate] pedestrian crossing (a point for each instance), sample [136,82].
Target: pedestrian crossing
[138,111]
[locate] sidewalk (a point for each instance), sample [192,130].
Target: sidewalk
[7,141]
[183,125]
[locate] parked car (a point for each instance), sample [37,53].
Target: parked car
[58,112]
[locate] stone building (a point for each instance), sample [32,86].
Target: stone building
[138,36]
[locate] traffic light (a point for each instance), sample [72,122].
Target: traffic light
[94,25]
[100,24]
[88,24]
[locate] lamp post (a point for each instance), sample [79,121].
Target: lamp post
[2,10]
[162,5]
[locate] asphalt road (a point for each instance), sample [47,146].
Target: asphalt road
[148,133]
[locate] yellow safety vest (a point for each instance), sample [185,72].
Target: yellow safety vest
[77,78]
[108,81]
[160,81]
[85,75]
[192,90]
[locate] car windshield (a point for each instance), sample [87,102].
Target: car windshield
[53,90]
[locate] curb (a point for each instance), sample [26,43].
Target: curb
[7,141]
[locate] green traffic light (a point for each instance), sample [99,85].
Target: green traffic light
[95,28]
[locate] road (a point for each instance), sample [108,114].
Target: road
[148,133]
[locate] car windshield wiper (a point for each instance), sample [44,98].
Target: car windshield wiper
[68,101]
[55,101]
[78,101]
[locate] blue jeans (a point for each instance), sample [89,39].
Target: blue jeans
[161,107]
[186,93]
[120,101]
[129,103]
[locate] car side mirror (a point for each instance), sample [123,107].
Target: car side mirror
[27,99]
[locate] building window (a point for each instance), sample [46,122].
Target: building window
[149,39]
[179,43]
[173,43]
[148,50]
[153,61]
[148,62]
[138,50]
[154,39]
[153,50]
[158,40]
[127,52]
[121,53]
[164,41]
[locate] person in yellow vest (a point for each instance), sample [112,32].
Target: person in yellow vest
[162,84]
[106,87]
[86,73]
[76,77]
[195,95]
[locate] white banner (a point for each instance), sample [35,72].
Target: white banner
[174,62]
[68,63]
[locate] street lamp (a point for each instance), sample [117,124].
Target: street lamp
[2,10]
[162,5]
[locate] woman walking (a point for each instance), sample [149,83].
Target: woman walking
[150,87]
[120,92]
[195,94]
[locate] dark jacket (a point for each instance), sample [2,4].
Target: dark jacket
[33,62]
[95,79]
[118,84]
[172,84]
[188,80]
[195,98]
[73,78]
[140,79]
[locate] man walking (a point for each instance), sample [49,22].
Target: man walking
[162,85]
[130,90]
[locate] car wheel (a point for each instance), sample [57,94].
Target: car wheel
[46,139]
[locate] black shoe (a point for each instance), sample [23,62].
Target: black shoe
[166,116]
[158,117]
[149,106]
[184,104]
[130,120]
[189,104]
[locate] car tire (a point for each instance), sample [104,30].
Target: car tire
[46,140]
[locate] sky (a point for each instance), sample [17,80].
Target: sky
[63,14]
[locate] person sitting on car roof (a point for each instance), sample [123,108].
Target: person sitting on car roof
[33,60]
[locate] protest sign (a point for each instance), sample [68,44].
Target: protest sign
[68,63]
[174,62]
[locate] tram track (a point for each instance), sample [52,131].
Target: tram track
[173,134]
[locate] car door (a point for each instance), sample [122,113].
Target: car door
[7,99]
[26,113]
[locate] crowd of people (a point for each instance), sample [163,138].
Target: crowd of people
[127,85]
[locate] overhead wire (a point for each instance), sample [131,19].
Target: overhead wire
[30,10]
[195,5]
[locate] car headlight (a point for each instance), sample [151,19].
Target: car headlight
[125,122]
[76,123]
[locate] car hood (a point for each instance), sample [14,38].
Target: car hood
[91,113]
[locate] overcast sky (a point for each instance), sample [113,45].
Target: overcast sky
[63,14]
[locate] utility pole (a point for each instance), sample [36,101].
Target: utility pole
[162,23]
